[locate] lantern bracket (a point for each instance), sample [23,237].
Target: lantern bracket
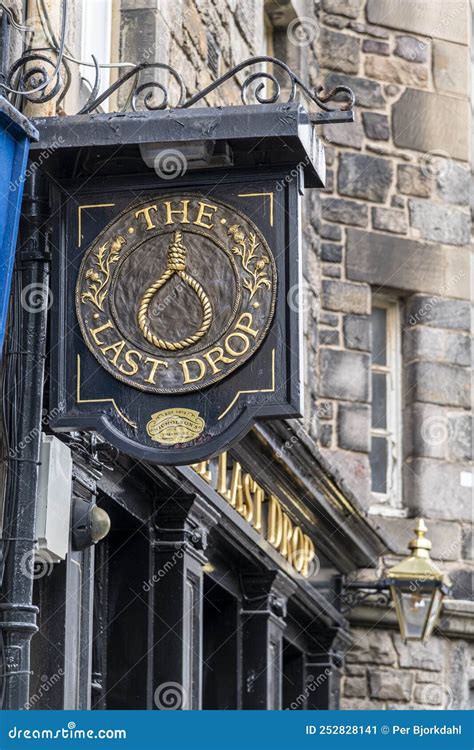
[352,594]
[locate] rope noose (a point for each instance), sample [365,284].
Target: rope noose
[176,264]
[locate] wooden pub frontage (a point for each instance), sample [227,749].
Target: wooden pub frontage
[212,590]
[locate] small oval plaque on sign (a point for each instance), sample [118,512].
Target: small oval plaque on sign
[173,426]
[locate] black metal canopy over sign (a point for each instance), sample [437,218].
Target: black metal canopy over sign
[175,302]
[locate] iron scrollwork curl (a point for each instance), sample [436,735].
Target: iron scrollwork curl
[260,96]
[30,79]
[138,89]
[375,593]
[295,83]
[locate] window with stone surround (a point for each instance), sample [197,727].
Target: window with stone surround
[385,452]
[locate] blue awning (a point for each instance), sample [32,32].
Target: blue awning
[16,132]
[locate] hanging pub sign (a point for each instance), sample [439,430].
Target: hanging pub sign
[175,317]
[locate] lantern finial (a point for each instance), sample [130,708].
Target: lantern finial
[420,546]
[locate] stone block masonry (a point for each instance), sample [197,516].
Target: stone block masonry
[396,211]
[395,221]
[384,673]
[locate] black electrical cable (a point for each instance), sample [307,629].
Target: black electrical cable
[10,378]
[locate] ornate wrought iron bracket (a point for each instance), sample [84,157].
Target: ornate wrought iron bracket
[375,593]
[44,73]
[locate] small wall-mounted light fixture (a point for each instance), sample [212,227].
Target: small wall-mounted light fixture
[90,523]
[415,585]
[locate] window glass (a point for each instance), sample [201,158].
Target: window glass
[379,400]
[379,464]
[385,441]
[96,37]
[379,336]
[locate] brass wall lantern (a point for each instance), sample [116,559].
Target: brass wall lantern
[415,585]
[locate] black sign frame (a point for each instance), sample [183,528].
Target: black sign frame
[79,401]
[83,395]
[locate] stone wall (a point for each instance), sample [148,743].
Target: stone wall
[395,219]
[384,673]
[200,39]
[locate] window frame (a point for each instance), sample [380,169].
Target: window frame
[390,502]
[111,41]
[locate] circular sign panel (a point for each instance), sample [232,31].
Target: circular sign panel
[176,293]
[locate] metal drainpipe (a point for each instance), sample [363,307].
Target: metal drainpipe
[17,613]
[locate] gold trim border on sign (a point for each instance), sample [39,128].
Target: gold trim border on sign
[258,195]
[79,217]
[81,400]
[260,390]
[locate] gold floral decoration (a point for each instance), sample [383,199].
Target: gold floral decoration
[98,276]
[253,264]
